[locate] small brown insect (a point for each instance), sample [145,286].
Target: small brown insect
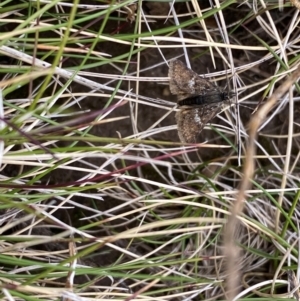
[199,100]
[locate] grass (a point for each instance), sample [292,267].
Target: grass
[100,200]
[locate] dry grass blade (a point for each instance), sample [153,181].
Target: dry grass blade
[231,249]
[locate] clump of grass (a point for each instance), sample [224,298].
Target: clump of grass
[98,198]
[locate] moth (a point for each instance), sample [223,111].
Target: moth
[198,99]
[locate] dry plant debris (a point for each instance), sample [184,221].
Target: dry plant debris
[99,198]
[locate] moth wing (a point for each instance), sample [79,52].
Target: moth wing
[191,121]
[185,82]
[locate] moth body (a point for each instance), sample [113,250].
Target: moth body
[198,99]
